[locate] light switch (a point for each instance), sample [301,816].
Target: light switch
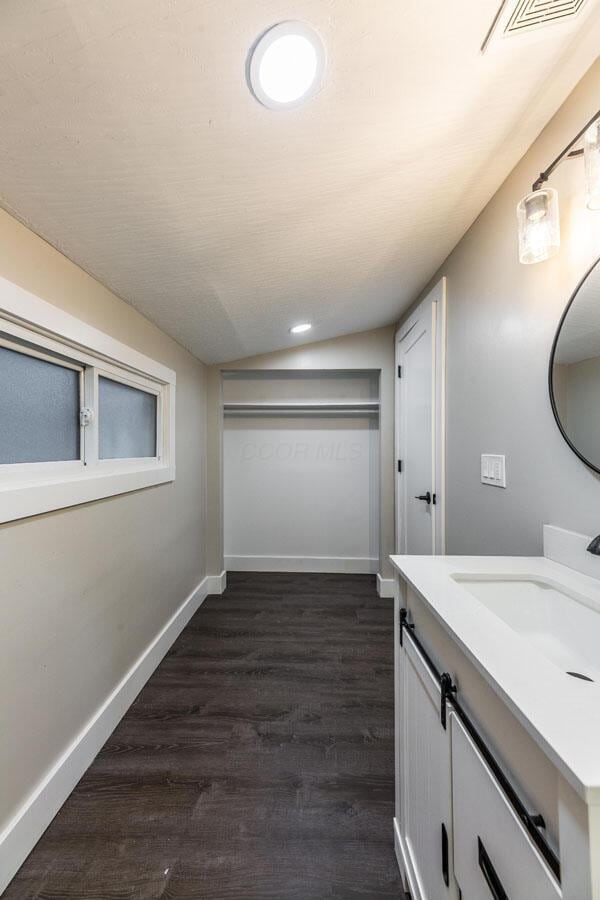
[493,469]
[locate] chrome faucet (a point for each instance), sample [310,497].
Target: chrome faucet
[594,546]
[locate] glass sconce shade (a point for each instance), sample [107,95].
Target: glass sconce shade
[539,226]
[591,156]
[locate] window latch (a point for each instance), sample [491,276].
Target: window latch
[86,416]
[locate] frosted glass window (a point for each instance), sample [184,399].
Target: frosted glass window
[126,421]
[39,409]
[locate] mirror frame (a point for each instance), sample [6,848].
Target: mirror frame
[572,299]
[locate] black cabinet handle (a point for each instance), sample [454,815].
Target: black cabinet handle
[489,873]
[445,871]
[426,497]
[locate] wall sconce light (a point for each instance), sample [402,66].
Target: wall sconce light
[591,157]
[537,213]
[539,226]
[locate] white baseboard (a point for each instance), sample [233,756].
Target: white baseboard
[22,833]
[216,584]
[340,564]
[385,586]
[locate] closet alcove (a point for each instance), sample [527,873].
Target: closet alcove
[301,470]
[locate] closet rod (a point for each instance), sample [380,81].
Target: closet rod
[341,408]
[304,411]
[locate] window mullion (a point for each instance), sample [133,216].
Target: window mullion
[90,431]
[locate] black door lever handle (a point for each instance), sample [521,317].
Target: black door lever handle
[426,497]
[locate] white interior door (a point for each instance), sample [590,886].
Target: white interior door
[420,348]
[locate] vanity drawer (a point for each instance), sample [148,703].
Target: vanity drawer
[494,858]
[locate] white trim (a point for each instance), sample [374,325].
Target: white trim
[20,501]
[44,317]
[440,419]
[437,299]
[217,583]
[340,564]
[22,833]
[33,488]
[386,587]
[56,359]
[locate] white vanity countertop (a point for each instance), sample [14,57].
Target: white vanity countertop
[561,713]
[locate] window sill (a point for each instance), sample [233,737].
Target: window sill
[19,501]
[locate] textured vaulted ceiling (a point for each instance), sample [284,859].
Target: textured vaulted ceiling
[130,141]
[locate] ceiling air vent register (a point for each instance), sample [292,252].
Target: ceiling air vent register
[533,13]
[523,16]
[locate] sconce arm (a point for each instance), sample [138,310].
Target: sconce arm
[567,153]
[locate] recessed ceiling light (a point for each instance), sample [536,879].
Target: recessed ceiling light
[300,329]
[286,65]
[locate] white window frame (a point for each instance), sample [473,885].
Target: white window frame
[35,327]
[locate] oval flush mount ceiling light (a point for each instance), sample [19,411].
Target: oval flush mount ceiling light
[301,329]
[286,65]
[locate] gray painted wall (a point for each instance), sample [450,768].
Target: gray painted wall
[501,321]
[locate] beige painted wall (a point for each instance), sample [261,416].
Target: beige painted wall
[501,321]
[366,350]
[84,590]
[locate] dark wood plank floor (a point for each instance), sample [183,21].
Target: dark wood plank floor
[256,764]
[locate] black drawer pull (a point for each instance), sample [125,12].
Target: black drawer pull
[445,870]
[489,873]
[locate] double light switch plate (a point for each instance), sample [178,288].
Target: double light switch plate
[493,469]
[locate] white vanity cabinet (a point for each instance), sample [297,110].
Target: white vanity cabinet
[424,801]
[498,724]
[457,835]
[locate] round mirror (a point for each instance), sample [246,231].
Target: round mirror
[575,370]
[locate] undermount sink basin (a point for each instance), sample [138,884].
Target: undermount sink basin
[563,625]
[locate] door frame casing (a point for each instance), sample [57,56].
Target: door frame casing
[436,299]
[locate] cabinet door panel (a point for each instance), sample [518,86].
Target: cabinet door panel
[425,796]
[494,858]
